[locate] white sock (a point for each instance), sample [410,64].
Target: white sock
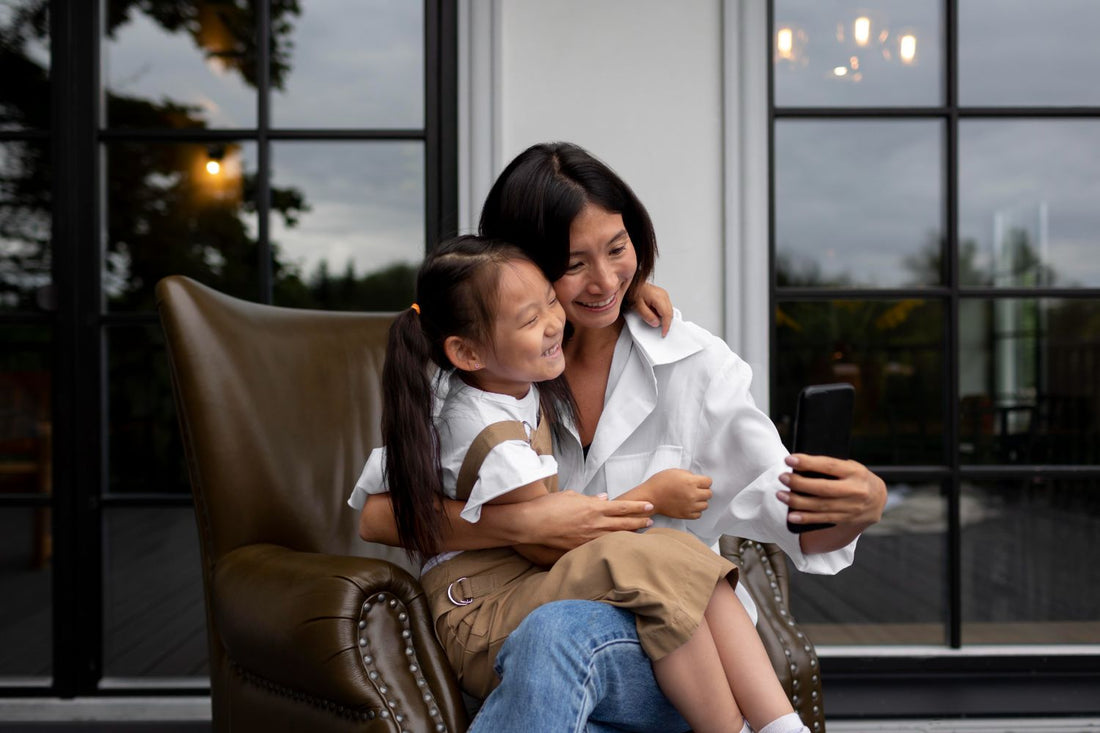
[789,723]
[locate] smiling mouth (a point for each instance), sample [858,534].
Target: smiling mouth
[553,350]
[598,305]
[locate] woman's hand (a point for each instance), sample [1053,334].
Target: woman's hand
[654,306]
[677,493]
[566,519]
[853,501]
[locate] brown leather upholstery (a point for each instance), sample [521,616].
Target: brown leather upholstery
[278,410]
[764,572]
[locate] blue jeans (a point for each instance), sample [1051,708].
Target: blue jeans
[576,667]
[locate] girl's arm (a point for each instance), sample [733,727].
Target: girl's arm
[674,492]
[654,306]
[562,520]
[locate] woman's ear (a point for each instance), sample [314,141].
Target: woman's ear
[462,354]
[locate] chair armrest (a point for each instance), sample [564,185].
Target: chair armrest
[764,573]
[353,631]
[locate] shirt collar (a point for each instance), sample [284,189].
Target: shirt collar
[680,342]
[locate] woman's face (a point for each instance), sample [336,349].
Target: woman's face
[601,266]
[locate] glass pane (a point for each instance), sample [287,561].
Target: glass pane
[1022,52]
[26,419]
[25,226]
[891,351]
[838,53]
[182,64]
[1029,559]
[24,65]
[154,622]
[858,203]
[350,63]
[895,592]
[179,209]
[1028,383]
[144,450]
[1027,203]
[356,241]
[26,615]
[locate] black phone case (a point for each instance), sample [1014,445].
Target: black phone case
[822,426]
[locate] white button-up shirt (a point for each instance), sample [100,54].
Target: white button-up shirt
[683,401]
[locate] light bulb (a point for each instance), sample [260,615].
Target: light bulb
[213,167]
[784,42]
[861,30]
[908,48]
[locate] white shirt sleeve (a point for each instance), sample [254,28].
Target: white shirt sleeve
[508,466]
[739,446]
[370,480]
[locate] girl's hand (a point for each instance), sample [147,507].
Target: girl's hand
[678,493]
[654,306]
[855,499]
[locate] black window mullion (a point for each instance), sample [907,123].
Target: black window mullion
[263,151]
[78,385]
[951,363]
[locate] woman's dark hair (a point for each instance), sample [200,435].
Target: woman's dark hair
[457,291]
[536,198]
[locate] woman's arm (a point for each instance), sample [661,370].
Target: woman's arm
[563,520]
[853,501]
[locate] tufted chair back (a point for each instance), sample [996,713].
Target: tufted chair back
[278,410]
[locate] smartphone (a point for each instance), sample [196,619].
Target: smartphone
[823,427]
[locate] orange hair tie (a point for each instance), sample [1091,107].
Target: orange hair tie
[416,308]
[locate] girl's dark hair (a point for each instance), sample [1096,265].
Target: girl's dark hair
[536,198]
[457,290]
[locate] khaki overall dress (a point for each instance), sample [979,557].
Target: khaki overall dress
[665,577]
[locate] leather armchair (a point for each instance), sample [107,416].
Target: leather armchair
[278,410]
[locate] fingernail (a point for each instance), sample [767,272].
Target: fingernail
[649,522]
[601,496]
[648,507]
[784,496]
[791,460]
[795,518]
[785,479]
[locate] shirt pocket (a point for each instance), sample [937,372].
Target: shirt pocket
[623,473]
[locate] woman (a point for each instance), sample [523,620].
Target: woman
[645,403]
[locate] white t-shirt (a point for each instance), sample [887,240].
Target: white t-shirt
[466,411]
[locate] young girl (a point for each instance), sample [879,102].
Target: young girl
[490,323]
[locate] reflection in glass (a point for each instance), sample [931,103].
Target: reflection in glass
[1028,194]
[895,591]
[196,58]
[891,351]
[168,214]
[355,64]
[1020,52]
[358,243]
[144,453]
[26,615]
[154,623]
[836,53]
[26,418]
[25,226]
[1028,383]
[24,65]
[1029,559]
[858,203]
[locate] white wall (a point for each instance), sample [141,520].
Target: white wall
[655,89]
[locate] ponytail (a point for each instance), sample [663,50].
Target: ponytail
[412,468]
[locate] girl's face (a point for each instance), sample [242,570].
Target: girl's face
[527,333]
[601,266]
